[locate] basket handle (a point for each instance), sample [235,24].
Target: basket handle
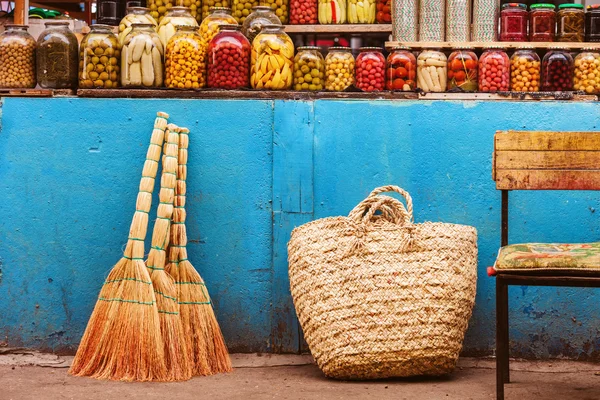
[392,209]
[399,190]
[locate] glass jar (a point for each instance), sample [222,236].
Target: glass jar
[142,58]
[587,71]
[494,70]
[525,70]
[361,12]
[208,4]
[135,15]
[174,18]
[211,24]
[99,55]
[107,12]
[370,69]
[432,66]
[513,22]
[401,70]
[571,23]
[57,56]
[243,8]
[280,8]
[463,69]
[592,23]
[542,22]
[557,70]
[384,12]
[332,12]
[160,8]
[309,69]
[185,64]
[303,12]
[272,59]
[229,59]
[339,69]
[261,16]
[17,58]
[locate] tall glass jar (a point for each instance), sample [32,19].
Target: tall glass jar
[462,69]
[211,24]
[174,18]
[339,69]
[280,8]
[361,11]
[557,70]
[494,70]
[332,12]
[142,58]
[57,56]
[309,69]
[525,70]
[243,8]
[185,64]
[542,22]
[370,69]
[272,59]
[261,16]
[208,4]
[592,23]
[587,71]
[303,12]
[384,12]
[570,23]
[513,22]
[135,15]
[229,59]
[401,70]
[99,55]
[17,58]
[432,67]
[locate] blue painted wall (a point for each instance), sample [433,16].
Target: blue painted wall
[69,170]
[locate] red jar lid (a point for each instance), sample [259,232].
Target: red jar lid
[515,5]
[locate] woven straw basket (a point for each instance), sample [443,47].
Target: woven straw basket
[379,296]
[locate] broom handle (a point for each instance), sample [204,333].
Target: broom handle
[178,251]
[139,225]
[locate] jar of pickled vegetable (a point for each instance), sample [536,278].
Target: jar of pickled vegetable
[462,69]
[99,55]
[370,69]
[384,12]
[243,8]
[57,56]
[309,69]
[513,22]
[303,12]
[557,70]
[401,70]
[208,4]
[592,23]
[135,15]
[261,16]
[142,58]
[185,63]
[174,18]
[494,70]
[229,59]
[17,58]
[587,71]
[339,69]
[542,22]
[332,12]
[525,70]
[272,59]
[571,23]
[432,70]
[361,11]
[279,7]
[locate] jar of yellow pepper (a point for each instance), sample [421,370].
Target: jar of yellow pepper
[339,69]
[272,59]
[185,60]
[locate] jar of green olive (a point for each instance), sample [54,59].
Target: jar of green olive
[99,57]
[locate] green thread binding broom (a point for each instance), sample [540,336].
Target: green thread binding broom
[202,333]
[122,340]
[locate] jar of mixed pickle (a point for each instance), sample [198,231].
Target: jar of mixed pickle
[494,70]
[525,71]
[384,12]
[57,56]
[229,59]
[557,70]
[401,70]
[332,11]
[303,12]
[135,15]
[462,69]
[339,69]
[513,22]
[185,62]
[542,22]
[587,71]
[272,59]
[99,55]
[243,8]
[592,23]
[570,23]
[432,70]
[208,4]
[370,69]
[309,69]
[280,8]
[142,58]
[261,16]
[176,17]
[17,58]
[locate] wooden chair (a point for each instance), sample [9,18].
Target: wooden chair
[541,161]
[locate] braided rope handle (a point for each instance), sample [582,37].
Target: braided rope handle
[391,209]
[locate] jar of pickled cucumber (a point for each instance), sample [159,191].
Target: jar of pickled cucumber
[135,15]
[261,16]
[17,58]
[272,59]
[557,70]
[208,4]
[303,12]
[370,69]
[525,71]
[243,8]
[570,23]
[332,11]
[185,62]
[57,56]
[309,69]
[229,59]
[462,69]
[339,69]
[432,66]
[174,18]
[280,8]
[99,55]
[361,11]
[587,71]
[142,58]
[401,70]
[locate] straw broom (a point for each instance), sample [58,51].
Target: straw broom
[202,333]
[122,340]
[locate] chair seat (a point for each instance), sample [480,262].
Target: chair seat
[557,257]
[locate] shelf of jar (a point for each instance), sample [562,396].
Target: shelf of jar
[17,92]
[339,28]
[482,45]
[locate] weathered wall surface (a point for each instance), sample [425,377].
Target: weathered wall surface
[69,170]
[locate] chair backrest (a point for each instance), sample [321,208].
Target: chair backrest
[537,160]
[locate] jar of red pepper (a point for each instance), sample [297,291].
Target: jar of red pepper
[592,23]
[229,59]
[557,70]
[494,70]
[462,69]
[303,12]
[401,69]
[513,22]
[384,12]
[370,69]
[542,22]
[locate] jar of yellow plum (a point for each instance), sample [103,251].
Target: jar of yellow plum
[587,71]
[185,60]
[339,69]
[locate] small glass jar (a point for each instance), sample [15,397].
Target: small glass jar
[303,12]
[135,15]
[494,70]
[462,69]
[243,8]
[185,64]
[542,22]
[280,8]
[401,70]
[587,71]
[571,23]
[99,55]
[17,58]
[525,70]
[107,12]
[142,58]
[370,69]
[557,70]
[592,23]
[309,69]
[361,12]
[174,18]
[432,70]
[384,12]
[57,56]
[332,12]
[229,59]
[339,69]
[513,22]
[261,16]
[272,59]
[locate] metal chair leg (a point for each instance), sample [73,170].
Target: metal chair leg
[502,362]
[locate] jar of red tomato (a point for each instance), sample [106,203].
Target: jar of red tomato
[513,22]
[463,69]
[370,69]
[384,12]
[542,22]
[494,70]
[401,69]
[303,12]
[229,59]
[557,70]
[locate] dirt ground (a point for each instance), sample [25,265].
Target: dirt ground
[295,378]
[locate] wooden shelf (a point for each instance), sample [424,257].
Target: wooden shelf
[480,45]
[339,28]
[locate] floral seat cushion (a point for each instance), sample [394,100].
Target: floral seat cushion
[549,256]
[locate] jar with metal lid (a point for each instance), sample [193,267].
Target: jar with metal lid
[57,56]
[185,64]
[557,70]
[542,22]
[525,70]
[494,70]
[208,4]
[401,70]
[280,8]
[135,15]
[370,69]
[432,70]
[462,69]
[332,12]
[142,58]
[243,8]
[339,69]
[571,23]
[174,18]
[587,71]
[303,12]
[513,22]
[384,12]
[272,59]
[309,69]
[592,23]
[99,55]
[17,58]
[229,59]
[361,11]
[261,15]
